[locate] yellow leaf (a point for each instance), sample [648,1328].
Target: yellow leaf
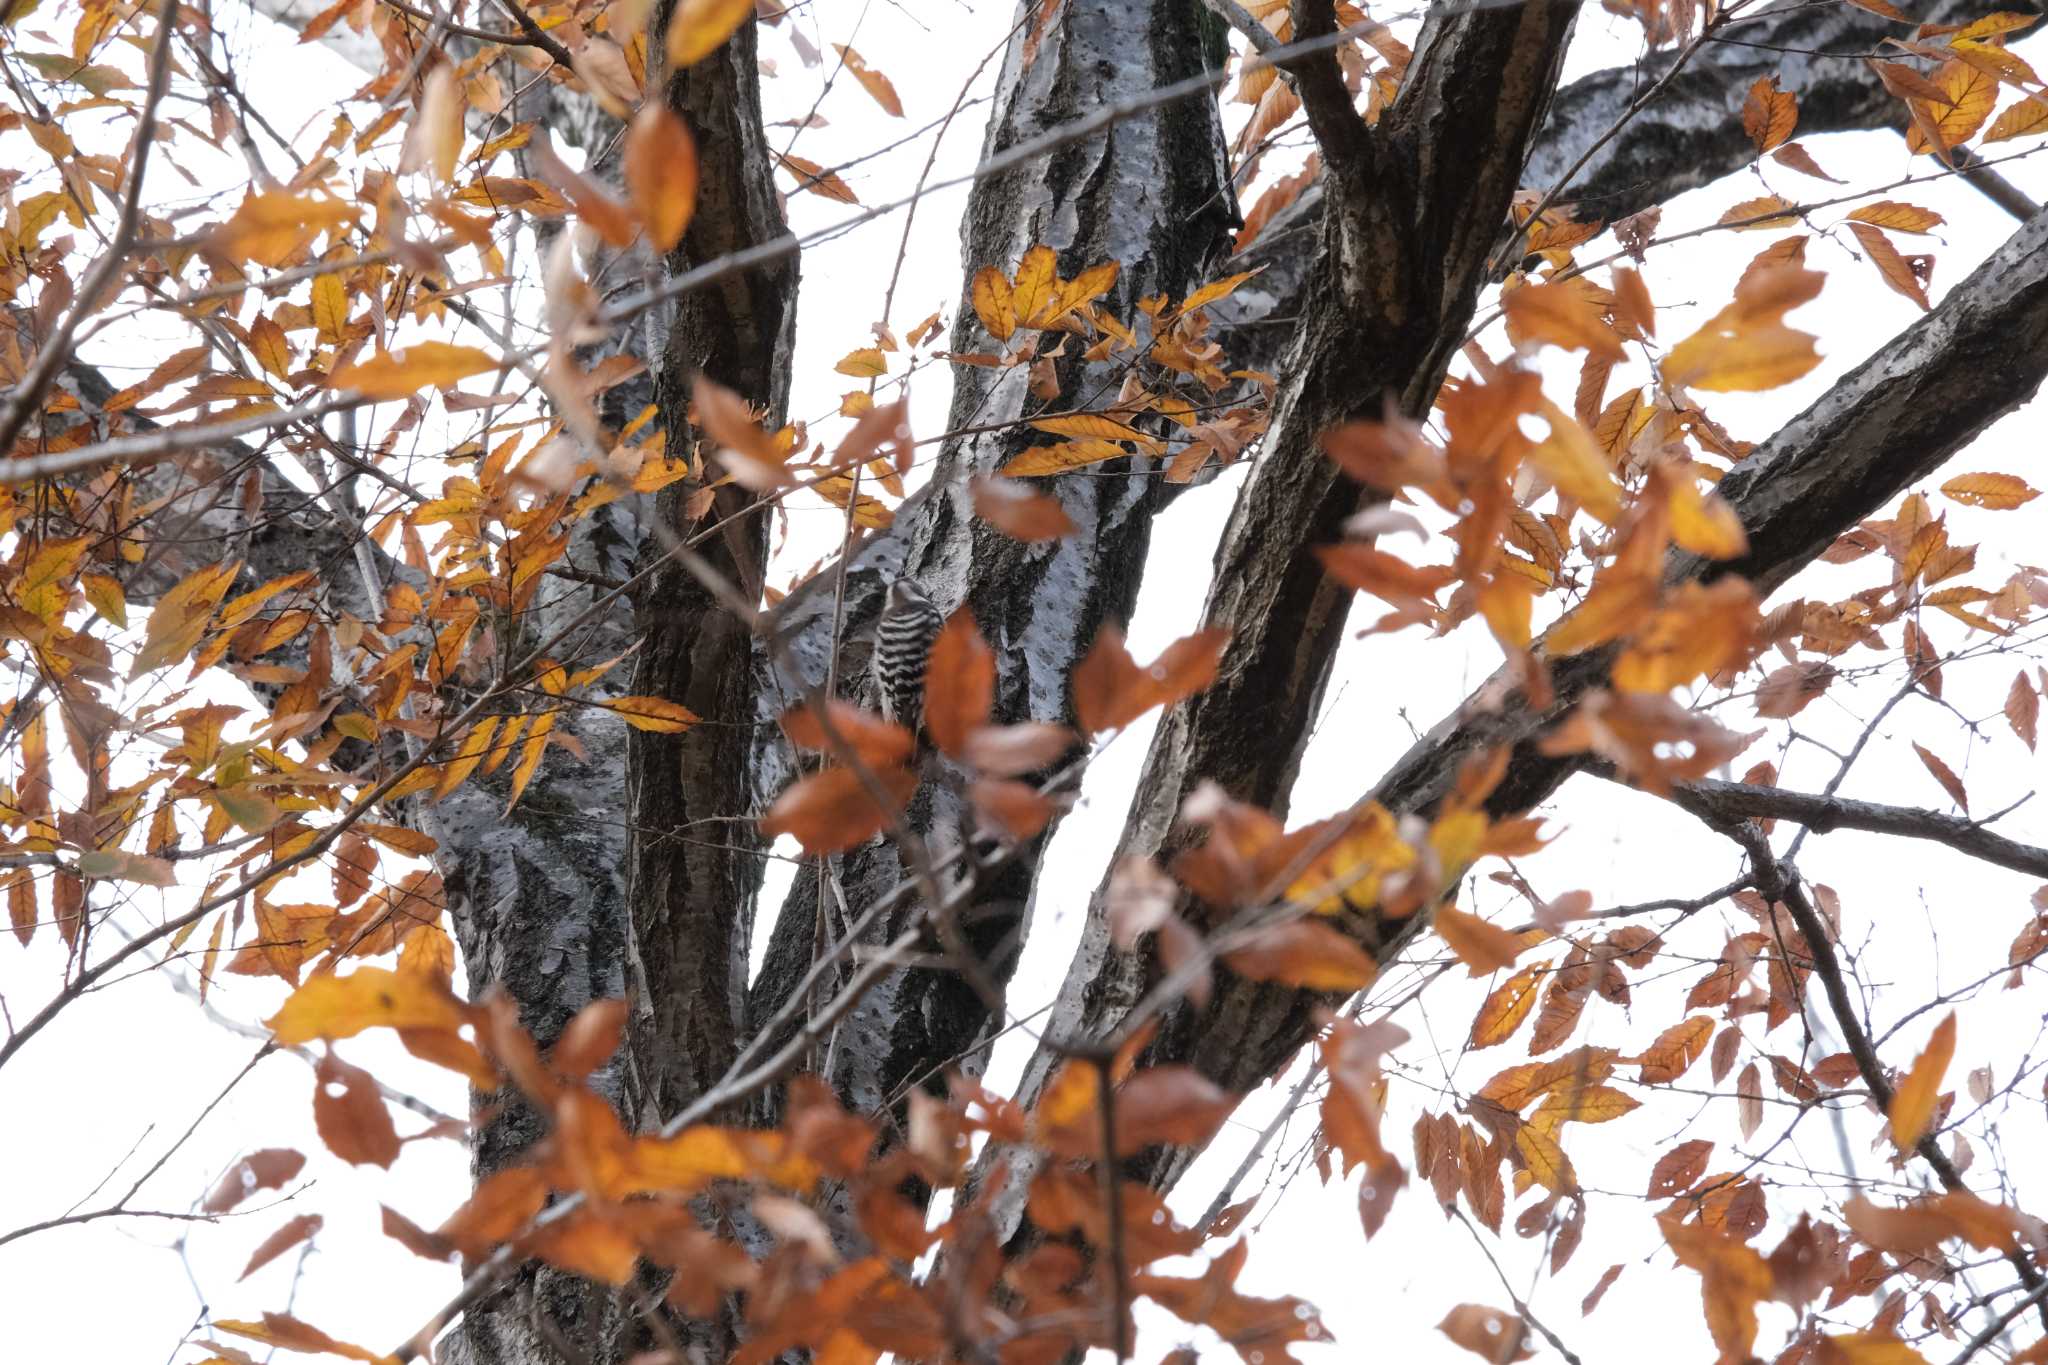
[1214,290]
[267,343]
[1546,1160]
[866,363]
[330,308]
[1704,523]
[1088,425]
[331,1007]
[424,364]
[1913,1103]
[993,303]
[1042,460]
[1889,213]
[697,28]
[661,174]
[653,713]
[1761,215]
[1747,346]
[269,227]
[2023,119]
[1036,286]
[1971,94]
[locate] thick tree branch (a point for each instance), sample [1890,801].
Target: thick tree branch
[1892,420]
[1039,604]
[1689,137]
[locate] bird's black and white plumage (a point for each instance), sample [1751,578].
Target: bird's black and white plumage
[903,647]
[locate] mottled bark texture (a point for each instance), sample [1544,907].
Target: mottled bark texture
[1411,210]
[588,893]
[1690,135]
[1150,193]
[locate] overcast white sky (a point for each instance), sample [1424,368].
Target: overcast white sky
[125,1072]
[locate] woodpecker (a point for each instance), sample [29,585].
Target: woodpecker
[903,646]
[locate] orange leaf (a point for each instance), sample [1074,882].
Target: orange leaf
[661,174]
[353,1123]
[400,373]
[1943,774]
[1506,1008]
[879,743]
[1913,1103]
[1769,114]
[1490,1333]
[874,82]
[1482,947]
[959,684]
[653,713]
[1018,512]
[832,811]
[697,28]
[1676,1049]
[332,1006]
[1994,492]
[1304,953]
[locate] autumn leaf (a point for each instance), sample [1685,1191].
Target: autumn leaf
[2023,708]
[1994,492]
[1503,1011]
[960,680]
[832,811]
[877,742]
[349,1112]
[874,82]
[1489,1333]
[1018,512]
[1747,345]
[1304,953]
[1896,271]
[815,178]
[657,714]
[661,173]
[1769,114]
[268,1169]
[1482,947]
[282,1330]
[1676,1049]
[1945,775]
[1914,1102]
[284,1239]
[1680,1168]
[1111,690]
[332,1006]
[400,373]
[1889,213]
[697,28]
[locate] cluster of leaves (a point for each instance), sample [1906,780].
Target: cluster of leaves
[598,1200]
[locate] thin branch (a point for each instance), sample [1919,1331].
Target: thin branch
[1725,803]
[28,394]
[1780,882]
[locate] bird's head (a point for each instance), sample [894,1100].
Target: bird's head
[906,592]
